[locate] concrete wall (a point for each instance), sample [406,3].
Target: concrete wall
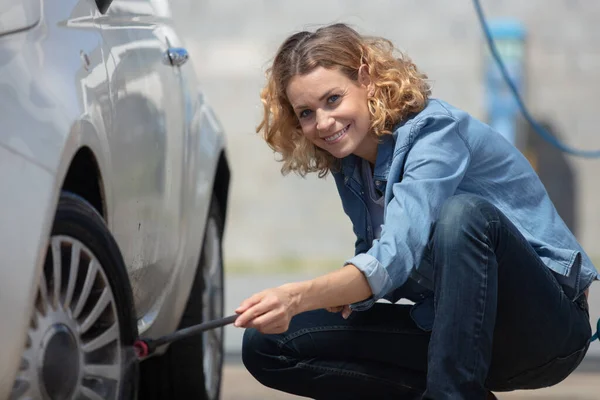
[274,218]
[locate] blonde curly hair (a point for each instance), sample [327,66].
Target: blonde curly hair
[399,89]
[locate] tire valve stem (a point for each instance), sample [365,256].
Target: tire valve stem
[145,347]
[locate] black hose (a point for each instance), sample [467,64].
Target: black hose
[145,347]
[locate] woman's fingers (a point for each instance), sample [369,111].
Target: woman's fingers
[250,311]
[277,316]
[274,321]
[250,314]
[256,306]
[249,302]
[270,308]
[346,311]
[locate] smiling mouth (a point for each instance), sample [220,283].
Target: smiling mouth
[337,136]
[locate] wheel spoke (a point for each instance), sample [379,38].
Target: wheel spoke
[73,270]
[106,371]
[215,266]
[214,355]
[88,393]
[103,301]
[110,335]
[20,388]
[206,274]
[214,348]
[87,288]
[57,270]
[212,295]
[215,338]
[24,364]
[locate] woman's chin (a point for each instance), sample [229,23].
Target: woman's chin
[340,151]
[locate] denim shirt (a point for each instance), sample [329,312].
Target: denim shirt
[437,153]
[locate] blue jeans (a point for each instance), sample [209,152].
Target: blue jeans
[502,322]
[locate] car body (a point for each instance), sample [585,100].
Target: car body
[97,100]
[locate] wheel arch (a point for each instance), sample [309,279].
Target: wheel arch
[84,179]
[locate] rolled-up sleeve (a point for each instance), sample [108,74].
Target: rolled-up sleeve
[435,165]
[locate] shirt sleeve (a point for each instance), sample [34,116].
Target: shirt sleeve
[435,165]
[360,246]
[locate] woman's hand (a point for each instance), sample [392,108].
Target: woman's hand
[345,310]
[269,311]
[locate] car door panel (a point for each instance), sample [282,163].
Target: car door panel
[146,143]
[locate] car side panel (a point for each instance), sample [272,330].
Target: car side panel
[146,145]
[203,145]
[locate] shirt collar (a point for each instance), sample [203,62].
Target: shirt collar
[383,162]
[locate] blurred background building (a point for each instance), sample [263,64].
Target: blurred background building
[297,224]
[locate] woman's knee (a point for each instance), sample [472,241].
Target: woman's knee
[260,354]
[461,207]
[463,213]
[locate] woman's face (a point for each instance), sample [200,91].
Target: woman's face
[333,112]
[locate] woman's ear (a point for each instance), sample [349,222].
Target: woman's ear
[364,78]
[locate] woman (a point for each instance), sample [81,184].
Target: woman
[446,214]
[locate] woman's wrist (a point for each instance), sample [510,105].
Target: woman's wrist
[297,292]
[338,288]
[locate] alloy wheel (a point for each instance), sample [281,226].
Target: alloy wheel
[73,345]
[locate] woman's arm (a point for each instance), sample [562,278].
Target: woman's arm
[271,310]
[344,286]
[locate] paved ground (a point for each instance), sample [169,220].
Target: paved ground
[238,384]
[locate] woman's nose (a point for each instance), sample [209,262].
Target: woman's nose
[324,121]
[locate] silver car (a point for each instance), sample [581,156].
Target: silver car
[114,183]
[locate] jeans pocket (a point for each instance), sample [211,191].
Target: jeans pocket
[548,374]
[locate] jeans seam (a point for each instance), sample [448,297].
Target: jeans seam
[354,374]
[481,313]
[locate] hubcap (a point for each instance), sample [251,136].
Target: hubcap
[73,346]
[212,300]
[60,362]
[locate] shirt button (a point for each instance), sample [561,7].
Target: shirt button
[377,183]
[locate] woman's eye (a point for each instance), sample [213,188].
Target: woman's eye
[333,99]
[304,113]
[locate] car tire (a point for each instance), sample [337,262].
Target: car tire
[83,329]
[183,372]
